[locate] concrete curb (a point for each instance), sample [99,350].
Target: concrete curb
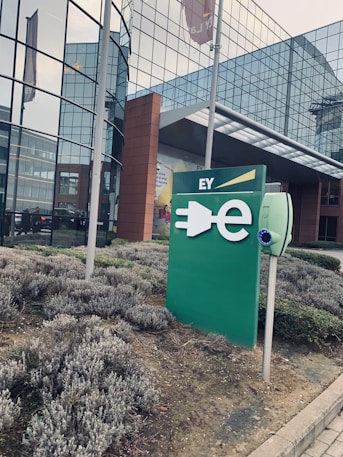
[296,436]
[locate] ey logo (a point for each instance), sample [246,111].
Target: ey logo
[207,183]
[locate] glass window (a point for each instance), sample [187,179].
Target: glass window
[48,71]
[327,228]
[51,17]
[330,193]
[3,153]
[80,28]
[52,124]
[5,92]
[68,183]
[106,182]
[7,56]
[41,114]
[9,14]
[92,8]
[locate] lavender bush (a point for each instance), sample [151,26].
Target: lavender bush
[9,410]
[91,390]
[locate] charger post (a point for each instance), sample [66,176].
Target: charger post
[274,235]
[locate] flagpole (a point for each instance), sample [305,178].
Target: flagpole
[16,167]
[20,133]
[213,95]
[98,141]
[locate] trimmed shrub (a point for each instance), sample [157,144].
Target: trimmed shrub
[303,324]
[301,282]
[317,245]
[321,260]
[119,241]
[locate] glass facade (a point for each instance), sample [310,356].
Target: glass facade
[293,85]
[48,78]
[162,48]
[49,81]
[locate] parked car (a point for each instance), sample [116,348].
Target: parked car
[17,219]
[31,219]
[46,222]
[63,218]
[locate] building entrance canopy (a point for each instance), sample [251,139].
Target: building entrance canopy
[239,140]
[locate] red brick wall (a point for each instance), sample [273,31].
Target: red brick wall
[309,213]
[138,179]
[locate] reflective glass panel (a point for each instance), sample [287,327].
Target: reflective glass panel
[80,28]
[51,24]
[9,14]
[7,56]
[41,114]
[92,7]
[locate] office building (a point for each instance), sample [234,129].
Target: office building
[279,102]
[49,75]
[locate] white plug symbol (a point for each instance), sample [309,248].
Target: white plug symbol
[200,219]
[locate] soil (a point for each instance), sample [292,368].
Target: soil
[213,400]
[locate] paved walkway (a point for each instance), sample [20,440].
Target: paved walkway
[317,431]
[330,442]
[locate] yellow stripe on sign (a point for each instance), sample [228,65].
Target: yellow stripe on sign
[243,178]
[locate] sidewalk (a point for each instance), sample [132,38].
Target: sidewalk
[317,431]
[330,442]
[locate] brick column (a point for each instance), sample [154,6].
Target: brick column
[138,179]
[310,213]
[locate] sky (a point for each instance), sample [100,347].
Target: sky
[300,16]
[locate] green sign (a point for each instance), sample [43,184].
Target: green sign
[214,254]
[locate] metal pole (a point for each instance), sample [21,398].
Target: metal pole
[213,95]
[16,166]
[99,124]
[268,332]
[20,133]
